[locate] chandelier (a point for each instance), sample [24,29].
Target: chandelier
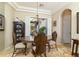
[37,13]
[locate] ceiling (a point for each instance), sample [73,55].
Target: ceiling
[51,6]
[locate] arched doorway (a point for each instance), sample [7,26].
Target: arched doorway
[66,26]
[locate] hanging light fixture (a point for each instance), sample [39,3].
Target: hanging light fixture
[37,15]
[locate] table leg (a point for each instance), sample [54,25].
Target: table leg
[73,48]
[76,51]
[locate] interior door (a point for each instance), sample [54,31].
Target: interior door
[66,29]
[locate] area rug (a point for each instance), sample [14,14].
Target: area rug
[62,51]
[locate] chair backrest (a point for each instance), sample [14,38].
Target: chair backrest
[54,36]
[40,41]
[41,38]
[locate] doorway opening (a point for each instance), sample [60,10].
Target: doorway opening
[66,27]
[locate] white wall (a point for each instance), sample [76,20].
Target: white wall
[57,16]
[49,28]
[9,17]
[57,28]
[27,26]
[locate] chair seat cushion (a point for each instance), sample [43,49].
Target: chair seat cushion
[34,48]
[52,42]
[19,45]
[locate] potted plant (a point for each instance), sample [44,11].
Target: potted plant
[42,29]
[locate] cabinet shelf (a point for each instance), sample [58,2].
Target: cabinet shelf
[19,29]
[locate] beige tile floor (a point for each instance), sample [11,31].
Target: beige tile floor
[63,51]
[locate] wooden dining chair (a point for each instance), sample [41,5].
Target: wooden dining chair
[18,45]
[53,41]
[40,42]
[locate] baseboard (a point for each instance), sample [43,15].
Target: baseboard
[59,43]
[8,48]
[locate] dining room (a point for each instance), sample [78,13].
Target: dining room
[39,29]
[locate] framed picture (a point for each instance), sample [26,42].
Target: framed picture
[2,22]
[54,23]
